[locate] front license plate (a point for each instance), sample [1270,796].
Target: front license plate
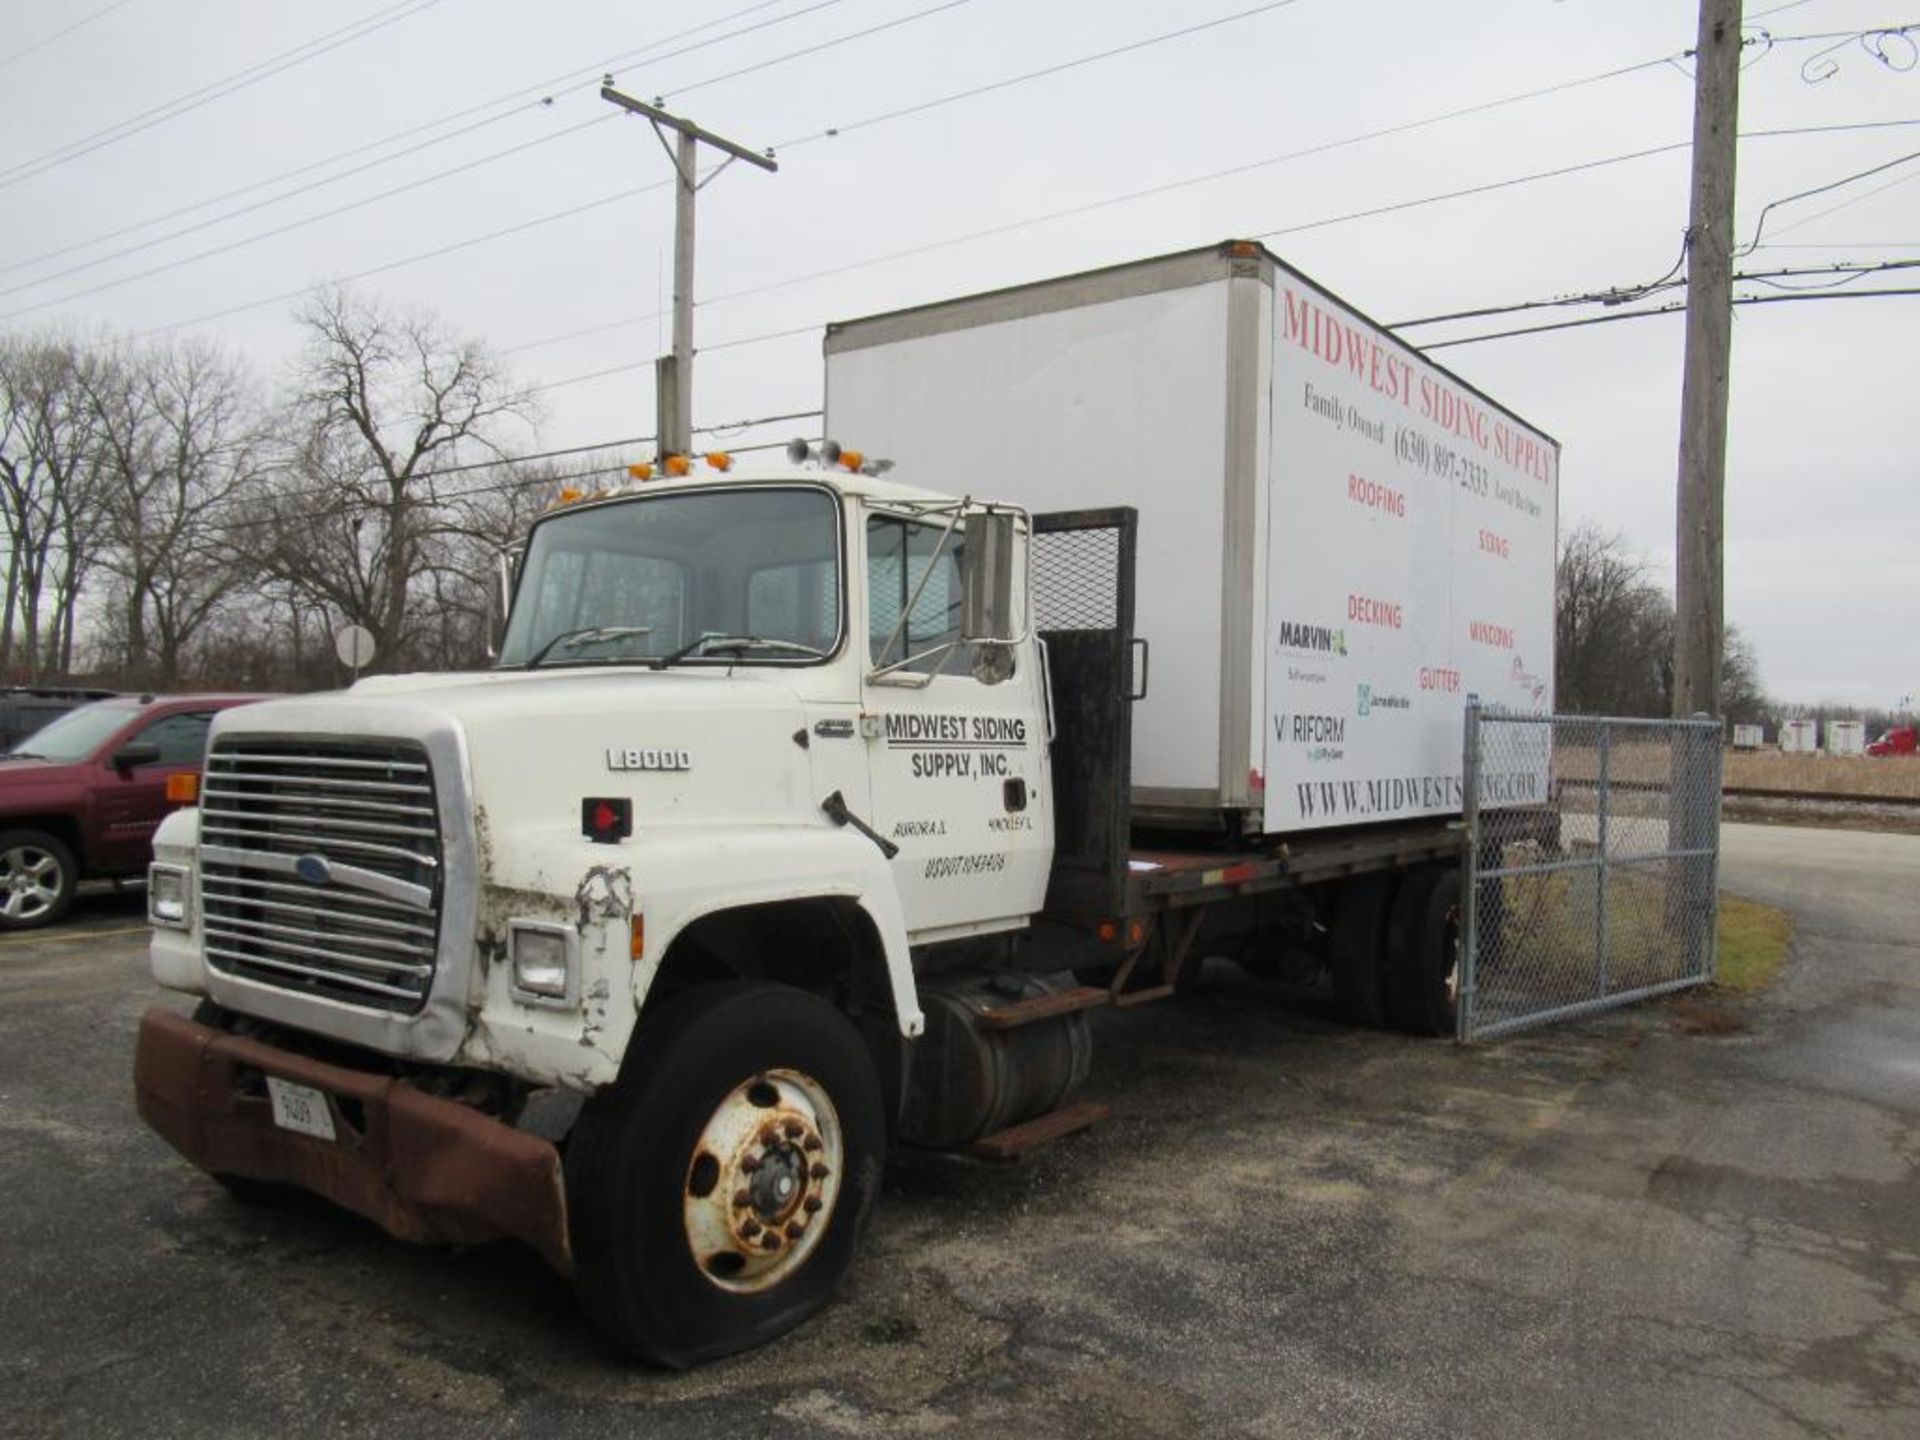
[300,1107]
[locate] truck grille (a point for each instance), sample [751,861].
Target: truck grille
[320,868]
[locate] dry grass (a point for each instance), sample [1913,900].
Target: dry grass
[1753,943]
[1894,775]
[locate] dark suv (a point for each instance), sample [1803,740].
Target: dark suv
[81,798]
[24,709]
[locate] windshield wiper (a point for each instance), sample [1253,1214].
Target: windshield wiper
[739,644]
[573,639]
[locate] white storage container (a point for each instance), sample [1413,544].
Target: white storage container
[1846,737]
[1339,540]
[1799,737]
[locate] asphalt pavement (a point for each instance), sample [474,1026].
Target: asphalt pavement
[1641,1225]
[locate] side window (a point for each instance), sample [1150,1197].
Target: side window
[182,738]
[900,561]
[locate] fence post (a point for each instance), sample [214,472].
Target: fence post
[1602,805]
[1469,871]
[1710,738]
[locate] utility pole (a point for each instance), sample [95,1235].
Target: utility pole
[1699,602]
[675,372]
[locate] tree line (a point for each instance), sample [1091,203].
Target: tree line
[172,523]
[1614,632]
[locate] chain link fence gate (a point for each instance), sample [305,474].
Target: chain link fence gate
[1592,863]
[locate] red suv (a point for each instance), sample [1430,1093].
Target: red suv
[81,798]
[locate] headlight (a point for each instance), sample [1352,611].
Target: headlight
[544,959]
[169,896]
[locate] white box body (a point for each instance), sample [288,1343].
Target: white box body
[1748,737]
[1846,737]
[1799,737]
[1339,541]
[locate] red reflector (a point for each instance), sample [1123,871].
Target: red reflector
[1236,874]
[607,820]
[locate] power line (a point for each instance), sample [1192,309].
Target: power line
[242,242]
[403,188]
[42,44]
[1618,296]
[1674,308]
[1559,171]
[1128,49]
[216,90]
[343,505]
[1760,225]
[630,192]
[1106,202]
[537,93]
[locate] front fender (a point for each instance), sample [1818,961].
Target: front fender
[684,876]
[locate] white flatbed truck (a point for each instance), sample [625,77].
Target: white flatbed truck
[808,813]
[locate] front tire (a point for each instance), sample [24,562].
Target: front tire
[716,1191]
[37,876]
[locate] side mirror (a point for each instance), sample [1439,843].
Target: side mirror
[140,752]
[986,613]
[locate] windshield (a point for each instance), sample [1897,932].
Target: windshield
[756,572]
[78,733]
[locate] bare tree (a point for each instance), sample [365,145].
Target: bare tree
[388,407]
[180,441]
[48,499]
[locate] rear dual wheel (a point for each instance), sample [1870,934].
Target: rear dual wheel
[1423,952]
[717,1190]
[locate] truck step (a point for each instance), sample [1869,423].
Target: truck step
[1006,1146]
[1044,1007]
[1142,996]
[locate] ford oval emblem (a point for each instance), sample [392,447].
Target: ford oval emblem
[313,869]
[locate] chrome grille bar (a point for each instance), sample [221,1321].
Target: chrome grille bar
[331,977]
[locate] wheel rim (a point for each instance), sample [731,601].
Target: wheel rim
[763,1180]
[29,882]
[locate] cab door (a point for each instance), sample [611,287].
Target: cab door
[955,739]
[132,799]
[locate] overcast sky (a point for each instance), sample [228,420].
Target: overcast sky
[1823,506]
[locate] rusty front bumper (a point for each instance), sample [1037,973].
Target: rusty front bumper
[421,1168]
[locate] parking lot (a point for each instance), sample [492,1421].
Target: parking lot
[1699,1219]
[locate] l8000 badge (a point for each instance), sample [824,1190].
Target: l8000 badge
[649,759]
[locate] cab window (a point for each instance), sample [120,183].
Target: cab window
[182,739]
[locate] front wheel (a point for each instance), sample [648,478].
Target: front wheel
[37,876]
[716,1191]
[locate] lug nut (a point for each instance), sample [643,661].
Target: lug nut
[819,1171]
[793,1129]
[741,1199]
[795,1229]
[814,1204]
[810,1144]
[750,1163]
[769,1133]
[750,1228]
[769,1241]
